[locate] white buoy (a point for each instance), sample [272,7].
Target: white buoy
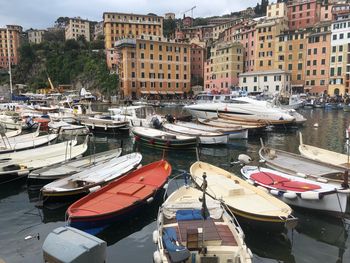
[316,125]
[245,159]
[290,195]
[155,237]
[156,257]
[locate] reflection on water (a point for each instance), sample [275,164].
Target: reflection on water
[316,239]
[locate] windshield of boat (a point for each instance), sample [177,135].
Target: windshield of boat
[143,112]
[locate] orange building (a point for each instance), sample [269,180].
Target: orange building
[11,36]
[120,25]
[153,66]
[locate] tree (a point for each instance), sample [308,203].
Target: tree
[61,22]
[169,27]
[54,35]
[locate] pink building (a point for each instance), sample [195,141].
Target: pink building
[326,12]
[247,32]
[303,13]
[203,33]
[198,56]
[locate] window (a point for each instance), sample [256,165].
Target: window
[339,71]
[314,62]
[324,50]
[323,61]
[309,51]
[300,66]
[333,59]
[340,48]
[265,78]
[255,79]
[142,55]
[341,36]
[301,46]
[332,72]
[308,72]
[290,47]
[334,37]
[308,63]
[290,66]
[334,49]
[315,51]
[244,80]
[340,58]
[314,72]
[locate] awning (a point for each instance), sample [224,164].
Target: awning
[297,86]
[144,92]
[153,92]
[179,92]
[171,92]
[162,92]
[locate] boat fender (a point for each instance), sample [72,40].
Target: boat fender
[22,172]
[155,236]
[156,257]
[274,192]
[302,175]
[290,195]
[322,180]
[165,186]
[251,182]
[243,158]
[139,166]
[105,127]
[150,200]
[94,189]
[263,189]
[310,196]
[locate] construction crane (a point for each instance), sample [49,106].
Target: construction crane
[191,9]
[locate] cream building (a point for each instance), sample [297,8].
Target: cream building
[35,36]
[277,10]
[79,27]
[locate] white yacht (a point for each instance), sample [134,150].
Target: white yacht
[243,107]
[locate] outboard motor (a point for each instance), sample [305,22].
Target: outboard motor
[156,122]
[170,118]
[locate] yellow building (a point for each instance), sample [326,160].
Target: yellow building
[290,55]
[79,27]
[153,66]
[120,25]
[266,40]
[11,36]
[277,10]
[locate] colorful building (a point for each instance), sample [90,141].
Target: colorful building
[317,59]
[122,25]
[9,36]
[198,57]
[303,13]
[77,27]
[153,66]
[222,69]
[203,33]
[340,56]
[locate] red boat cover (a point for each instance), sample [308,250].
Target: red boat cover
[282,183]
[124,192]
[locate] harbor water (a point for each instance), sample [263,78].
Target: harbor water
[317,238]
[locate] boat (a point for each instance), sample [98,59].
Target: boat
[141,115]
[249,203]
[222,123]
[309,104]
[17,165]
[66,128]
[297,191]
[101,125]
[10,134]
[162,139]
[233,133]
[90,179]
[346,108]
[19,143]
[194,228]
[71,167]
[204,136]
[119,199]
[11,120]
[242,107]
[256,121]
[67,244]
[301,166]
[323,155]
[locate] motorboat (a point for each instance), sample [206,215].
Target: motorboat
[99,124]
[71,167]
[205,137]
[66,128]
[193,227]
[162,139]
[119,199]
[91,179]
[249,203]
[297,191]
[233,133]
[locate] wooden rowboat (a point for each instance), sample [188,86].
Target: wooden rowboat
[162,139]
[254,121]
[222,123]
[246,201]
[91,179]
[184,229]
[299,192]
[119,199]
[323,155]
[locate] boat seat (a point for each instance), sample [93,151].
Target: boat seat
[188,214]
[176,251]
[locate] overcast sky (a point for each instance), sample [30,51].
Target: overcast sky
[43,13]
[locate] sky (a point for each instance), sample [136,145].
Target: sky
[40,14]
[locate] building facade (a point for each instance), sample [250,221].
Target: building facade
[340,56]
[152,65]
[277,10]
[317,59]
[77,27]
[121,25]
[9,37]
[35,36]
[198,57]
[268,82]
[222,69]
[303,13]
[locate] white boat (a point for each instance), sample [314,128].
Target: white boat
[242,107]
[246,201]
[233,133]
[204,136]
[185,234]
[18,164]
[71,167]
[297,191]
[222,123]
[91,179]
[65,128]
[10,134]
[98,124]
[323,155]
[137,116]
[11,122]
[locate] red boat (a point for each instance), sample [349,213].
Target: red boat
[119,199]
